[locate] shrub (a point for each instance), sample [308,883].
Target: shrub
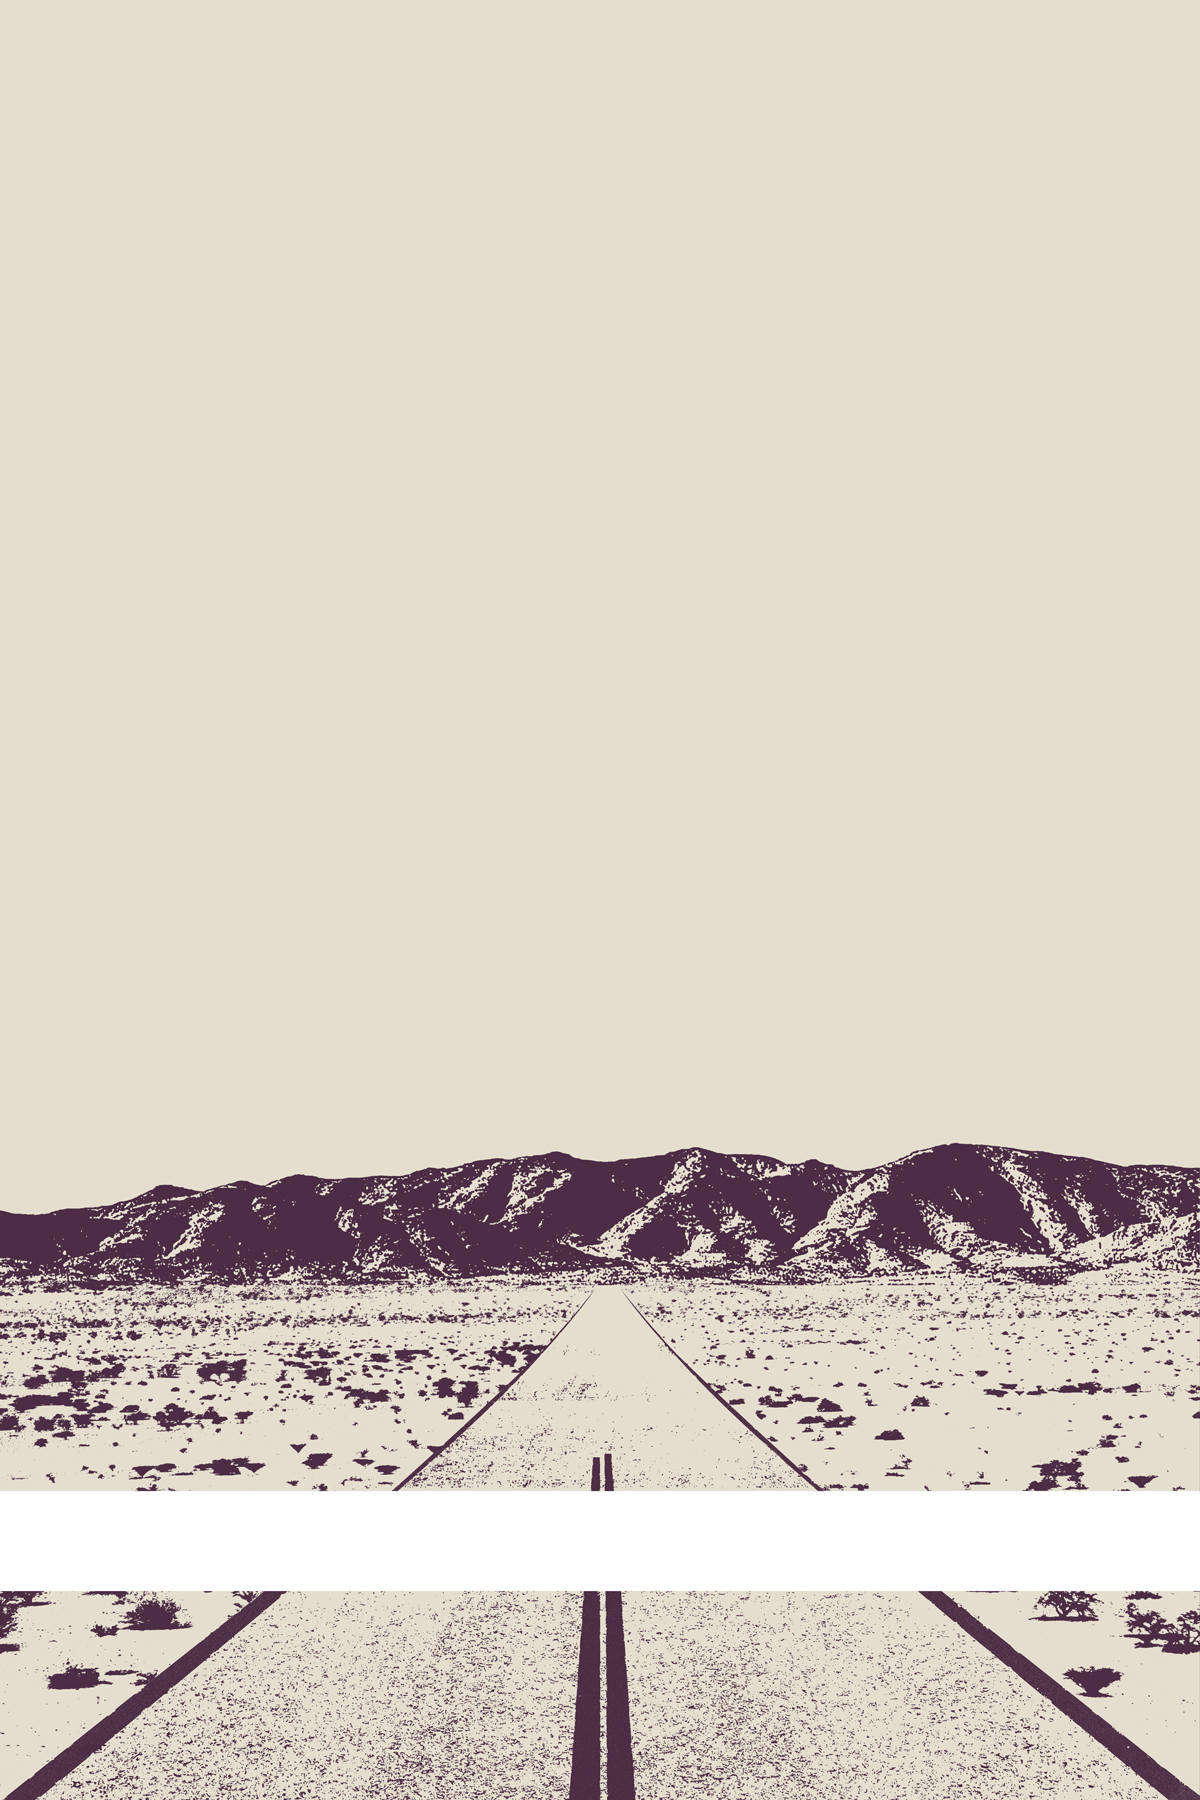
[1145,1626]
[213,1371]
[154,1612]
[1055,1471]
[1093,1681]
[1069,1603]
[104,1631]
[73,1676]
[231,1465]
[1183,1637]
[11,1602]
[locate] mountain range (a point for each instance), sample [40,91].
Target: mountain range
[970,1207]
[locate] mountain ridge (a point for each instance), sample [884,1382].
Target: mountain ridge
[970,1207]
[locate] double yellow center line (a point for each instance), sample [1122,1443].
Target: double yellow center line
[599,1633]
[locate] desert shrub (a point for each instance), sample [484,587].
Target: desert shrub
[11,1602]
[1182,1638]
[154,1612]
[104,1631]
[73,1676]
[1055,1471]
[1093,1681]
[170,1416]
[918,1400]
[213,1371]
[243,1596]
[1147,1627]
[1143,1594]
[1068,1603]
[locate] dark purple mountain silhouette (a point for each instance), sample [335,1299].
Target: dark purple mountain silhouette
[959,1206]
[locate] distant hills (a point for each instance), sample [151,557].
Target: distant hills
[970,1207]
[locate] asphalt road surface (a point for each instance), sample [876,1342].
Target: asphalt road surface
[362,1696]
[753,1696]
[608,1383]
[661,1696]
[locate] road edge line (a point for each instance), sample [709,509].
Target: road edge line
[1131,1754]
[783,1456]
[494,1401]
[43,1779]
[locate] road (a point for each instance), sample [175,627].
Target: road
[753,1696]
[362,1696]
[608,1383]
[736,1696]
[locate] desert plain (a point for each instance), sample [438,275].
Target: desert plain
[916,1381]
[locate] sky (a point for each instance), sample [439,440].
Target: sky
[596,584]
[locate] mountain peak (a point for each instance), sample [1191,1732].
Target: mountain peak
[972,1207]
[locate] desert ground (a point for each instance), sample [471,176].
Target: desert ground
[89,1632]
[1155,1699]
[287,1387]
[747,1695]
[888,1382]
[947,1383]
